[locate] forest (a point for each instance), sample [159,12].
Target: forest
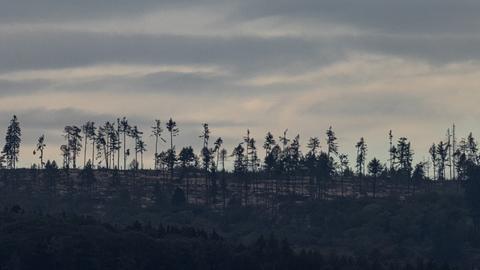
[276,208]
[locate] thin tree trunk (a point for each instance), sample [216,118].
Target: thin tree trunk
[93,152]
[85,152]
[156,152]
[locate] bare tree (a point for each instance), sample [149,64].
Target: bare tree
[40,149]
[173,130]
[157,131]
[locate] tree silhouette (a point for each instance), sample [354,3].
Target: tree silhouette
[472,149]
[223,183]
[269,143]
[442,152]
[40,149]
[89,131]
[239,167]
[217,149]
[284,139]
[332,146]
[433,155]
[125,129]
[418,174]
[311,157]
[157,131]
[392,151]
[102,148]
[173,130]
[113,143]
[361,147]
[74,144]
[13,139]
[375,168]
[343,170]
[140,146]
[404,156]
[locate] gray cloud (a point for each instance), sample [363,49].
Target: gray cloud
[71,49]
[361,64]
[393,17]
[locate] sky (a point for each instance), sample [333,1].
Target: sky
[362,67]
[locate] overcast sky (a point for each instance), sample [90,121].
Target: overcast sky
[364,67]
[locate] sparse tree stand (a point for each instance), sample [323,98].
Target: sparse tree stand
[74,143]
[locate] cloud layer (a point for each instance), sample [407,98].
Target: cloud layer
[363,67]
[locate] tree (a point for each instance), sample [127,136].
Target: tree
[404,156]
[223,183]
[125,129]
[361,156]
[284,139]
[217,149]
[433,155]
[13,139]
[392,151]
[113,143]
[187,157]
[324,170]
[157,131]
[140,146]
[418,174]
[65,156]
[40,149]
[292,159]
[269,143]
[311,157]
[332,145]
[173,130]
[74,143]
[207,157]
[472,149]
[89,133]
[343,169]
[102,149]
[375,168]
[442,152]
[313,145]
[239,167]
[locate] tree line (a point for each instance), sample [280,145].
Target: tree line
[108,146]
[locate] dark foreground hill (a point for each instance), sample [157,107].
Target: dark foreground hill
[43,224]
[74,242]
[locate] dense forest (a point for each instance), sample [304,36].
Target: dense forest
[278,208]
